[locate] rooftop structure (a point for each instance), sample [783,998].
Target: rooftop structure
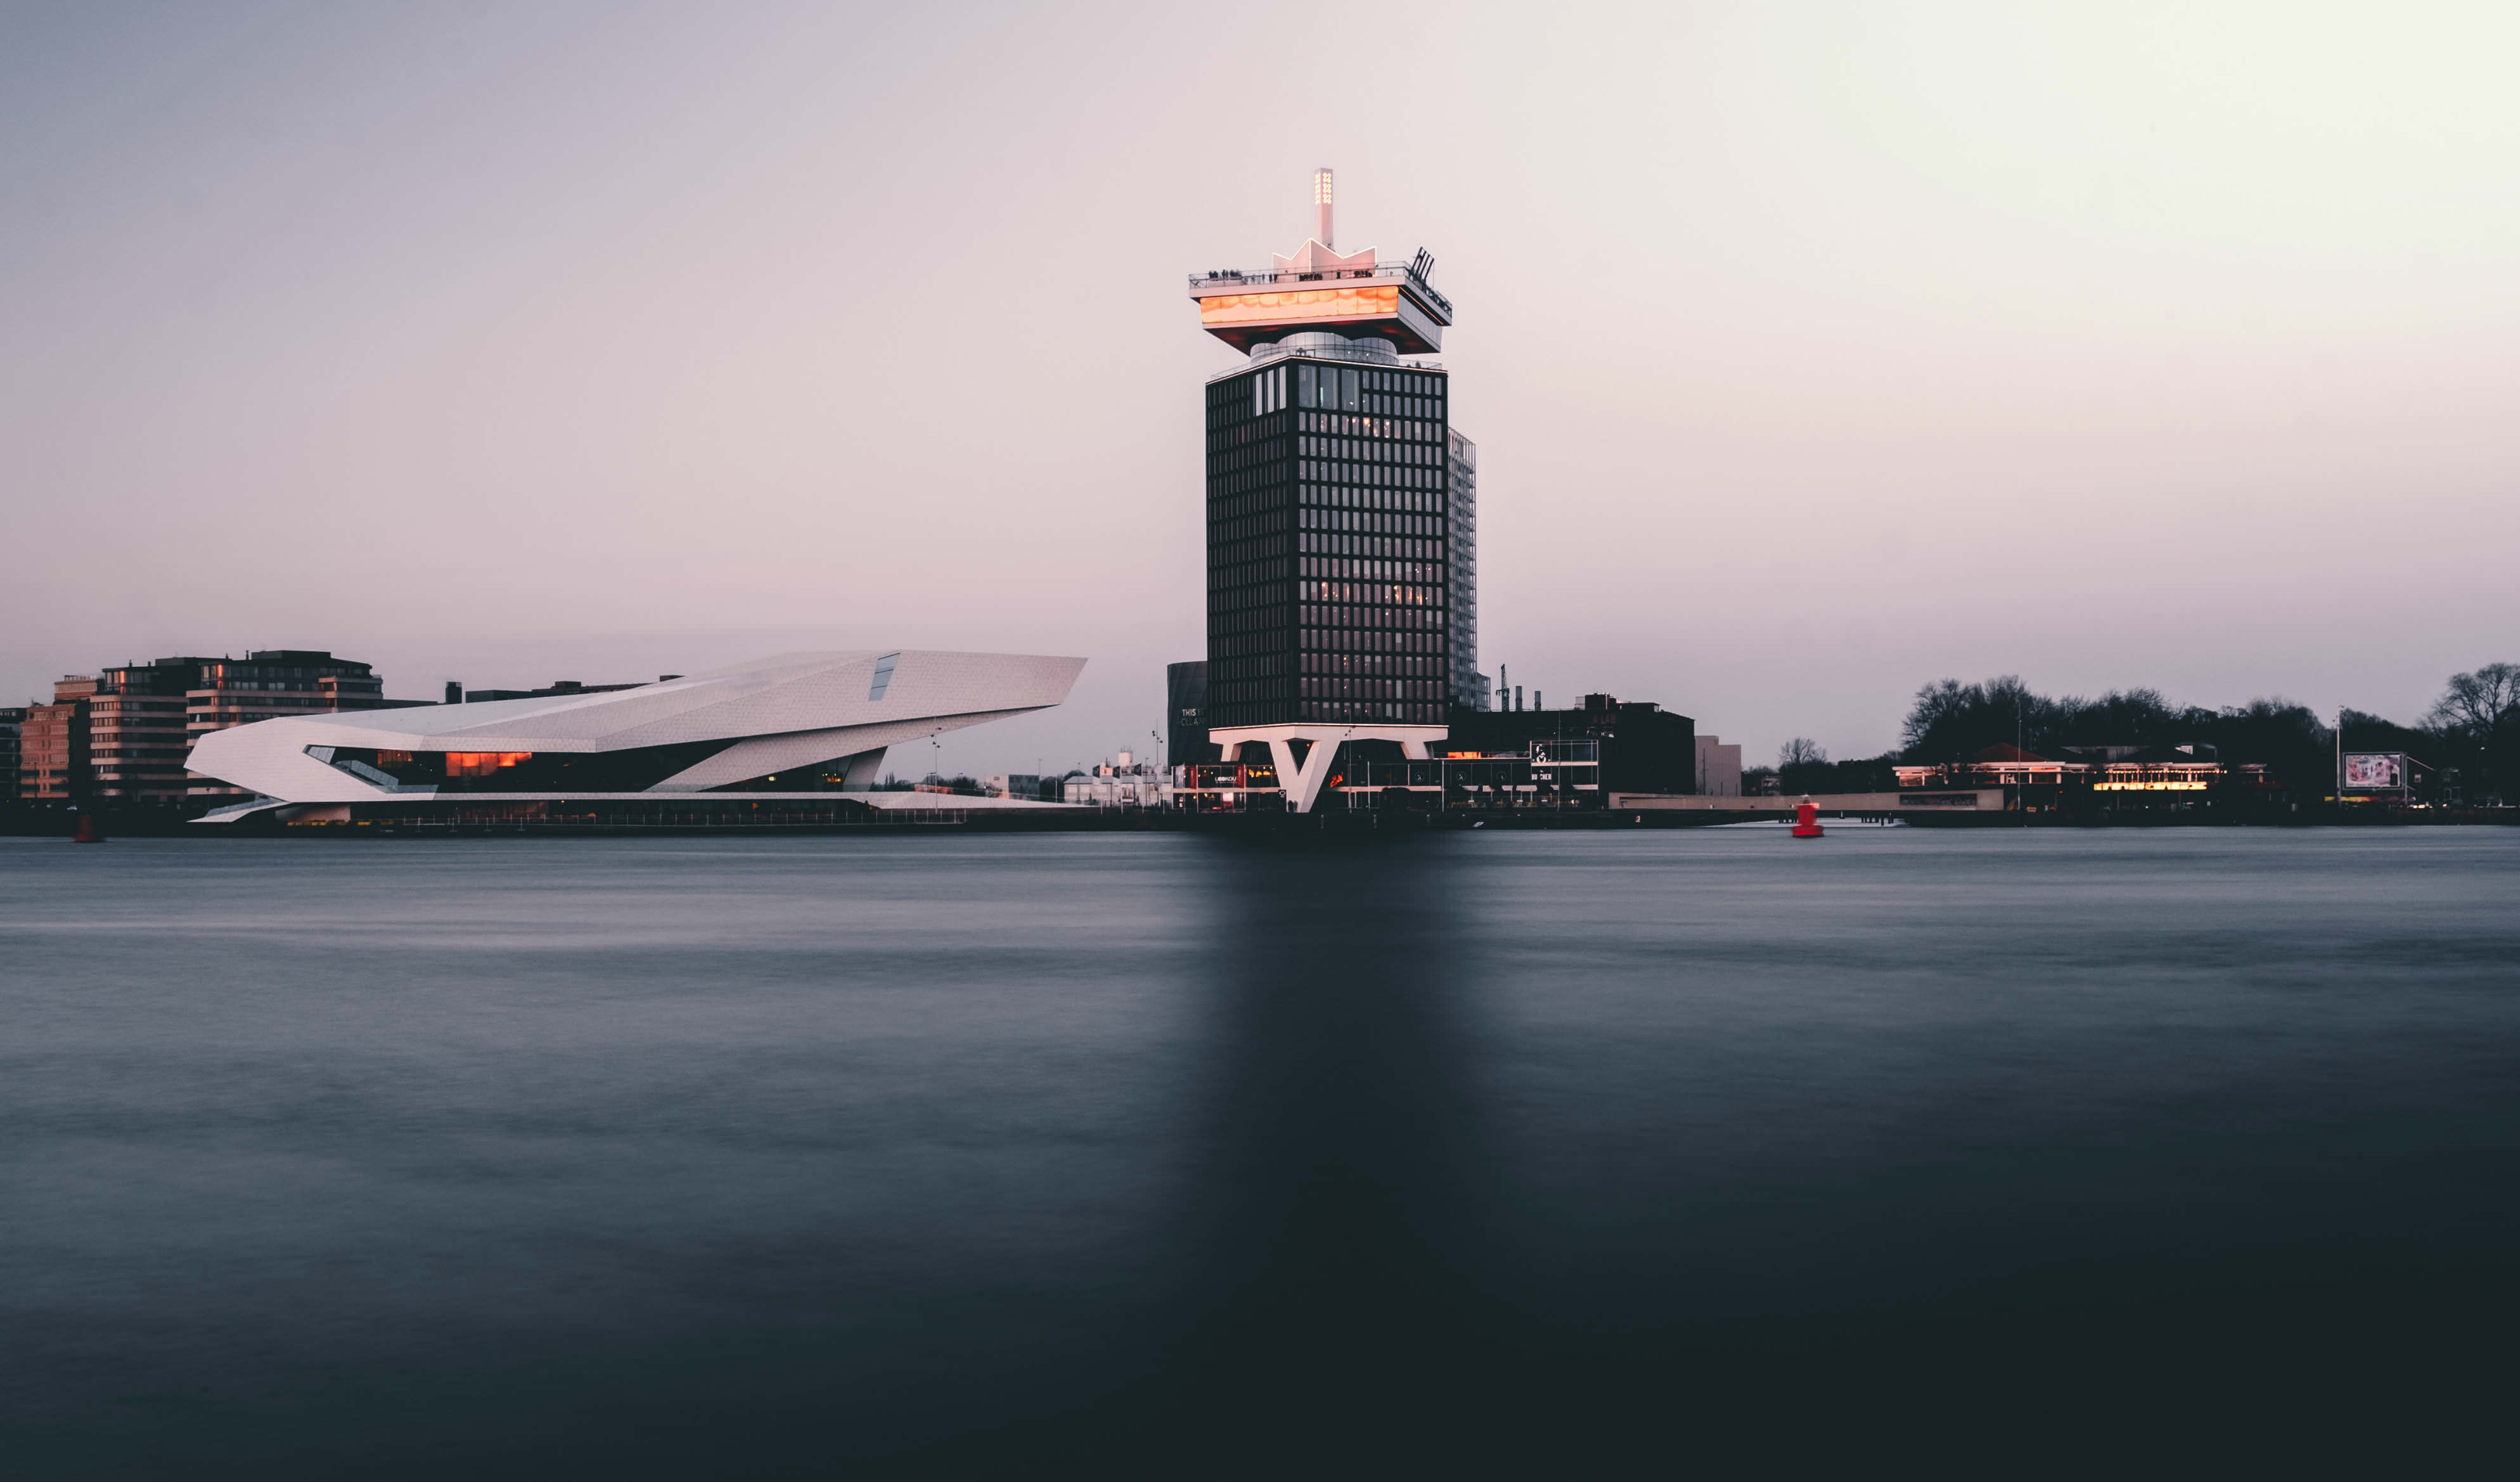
[556,687]
[1318,288]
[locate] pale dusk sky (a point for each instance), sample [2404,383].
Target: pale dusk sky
[1813,352]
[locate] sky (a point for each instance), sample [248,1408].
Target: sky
[1814,353]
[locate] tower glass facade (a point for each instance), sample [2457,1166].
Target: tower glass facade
[1329,542]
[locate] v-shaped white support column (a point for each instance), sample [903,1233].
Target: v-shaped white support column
[1303,786]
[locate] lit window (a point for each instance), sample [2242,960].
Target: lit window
[465,763]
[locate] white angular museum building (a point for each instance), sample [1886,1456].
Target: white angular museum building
[785,734]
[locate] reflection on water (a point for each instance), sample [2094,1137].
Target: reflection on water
[1486,1153]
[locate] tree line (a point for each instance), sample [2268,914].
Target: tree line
[2470,736]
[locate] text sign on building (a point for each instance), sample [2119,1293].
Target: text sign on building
[2371,771]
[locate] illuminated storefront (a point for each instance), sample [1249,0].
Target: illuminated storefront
[2174,779]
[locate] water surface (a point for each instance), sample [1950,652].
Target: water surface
[1693,1152]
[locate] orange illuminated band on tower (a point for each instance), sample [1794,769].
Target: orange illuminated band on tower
[1362,301]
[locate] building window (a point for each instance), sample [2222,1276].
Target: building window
[883,676]
[466,763]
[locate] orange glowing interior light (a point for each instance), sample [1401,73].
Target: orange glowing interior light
[1364,301]
[481,763]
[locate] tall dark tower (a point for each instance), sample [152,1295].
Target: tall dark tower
[1331,512]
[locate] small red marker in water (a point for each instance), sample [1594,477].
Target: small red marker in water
[1807,820]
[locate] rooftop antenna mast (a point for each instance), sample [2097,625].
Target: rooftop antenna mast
[1322,207]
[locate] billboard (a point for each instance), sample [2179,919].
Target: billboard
[2371,771]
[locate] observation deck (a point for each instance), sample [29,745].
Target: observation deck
[1320,289]
[1387,300]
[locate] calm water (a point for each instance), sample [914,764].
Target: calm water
[1909,1151]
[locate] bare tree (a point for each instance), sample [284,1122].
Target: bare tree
[2483,710]
[1938,702]
[1799,752]
[2481,703]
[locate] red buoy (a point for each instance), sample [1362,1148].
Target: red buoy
[1807,820]
[87,831]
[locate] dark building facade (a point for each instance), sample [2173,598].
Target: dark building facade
[1329,540]
[1186,714]
[13,725]
[136,741]
[1641,748]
